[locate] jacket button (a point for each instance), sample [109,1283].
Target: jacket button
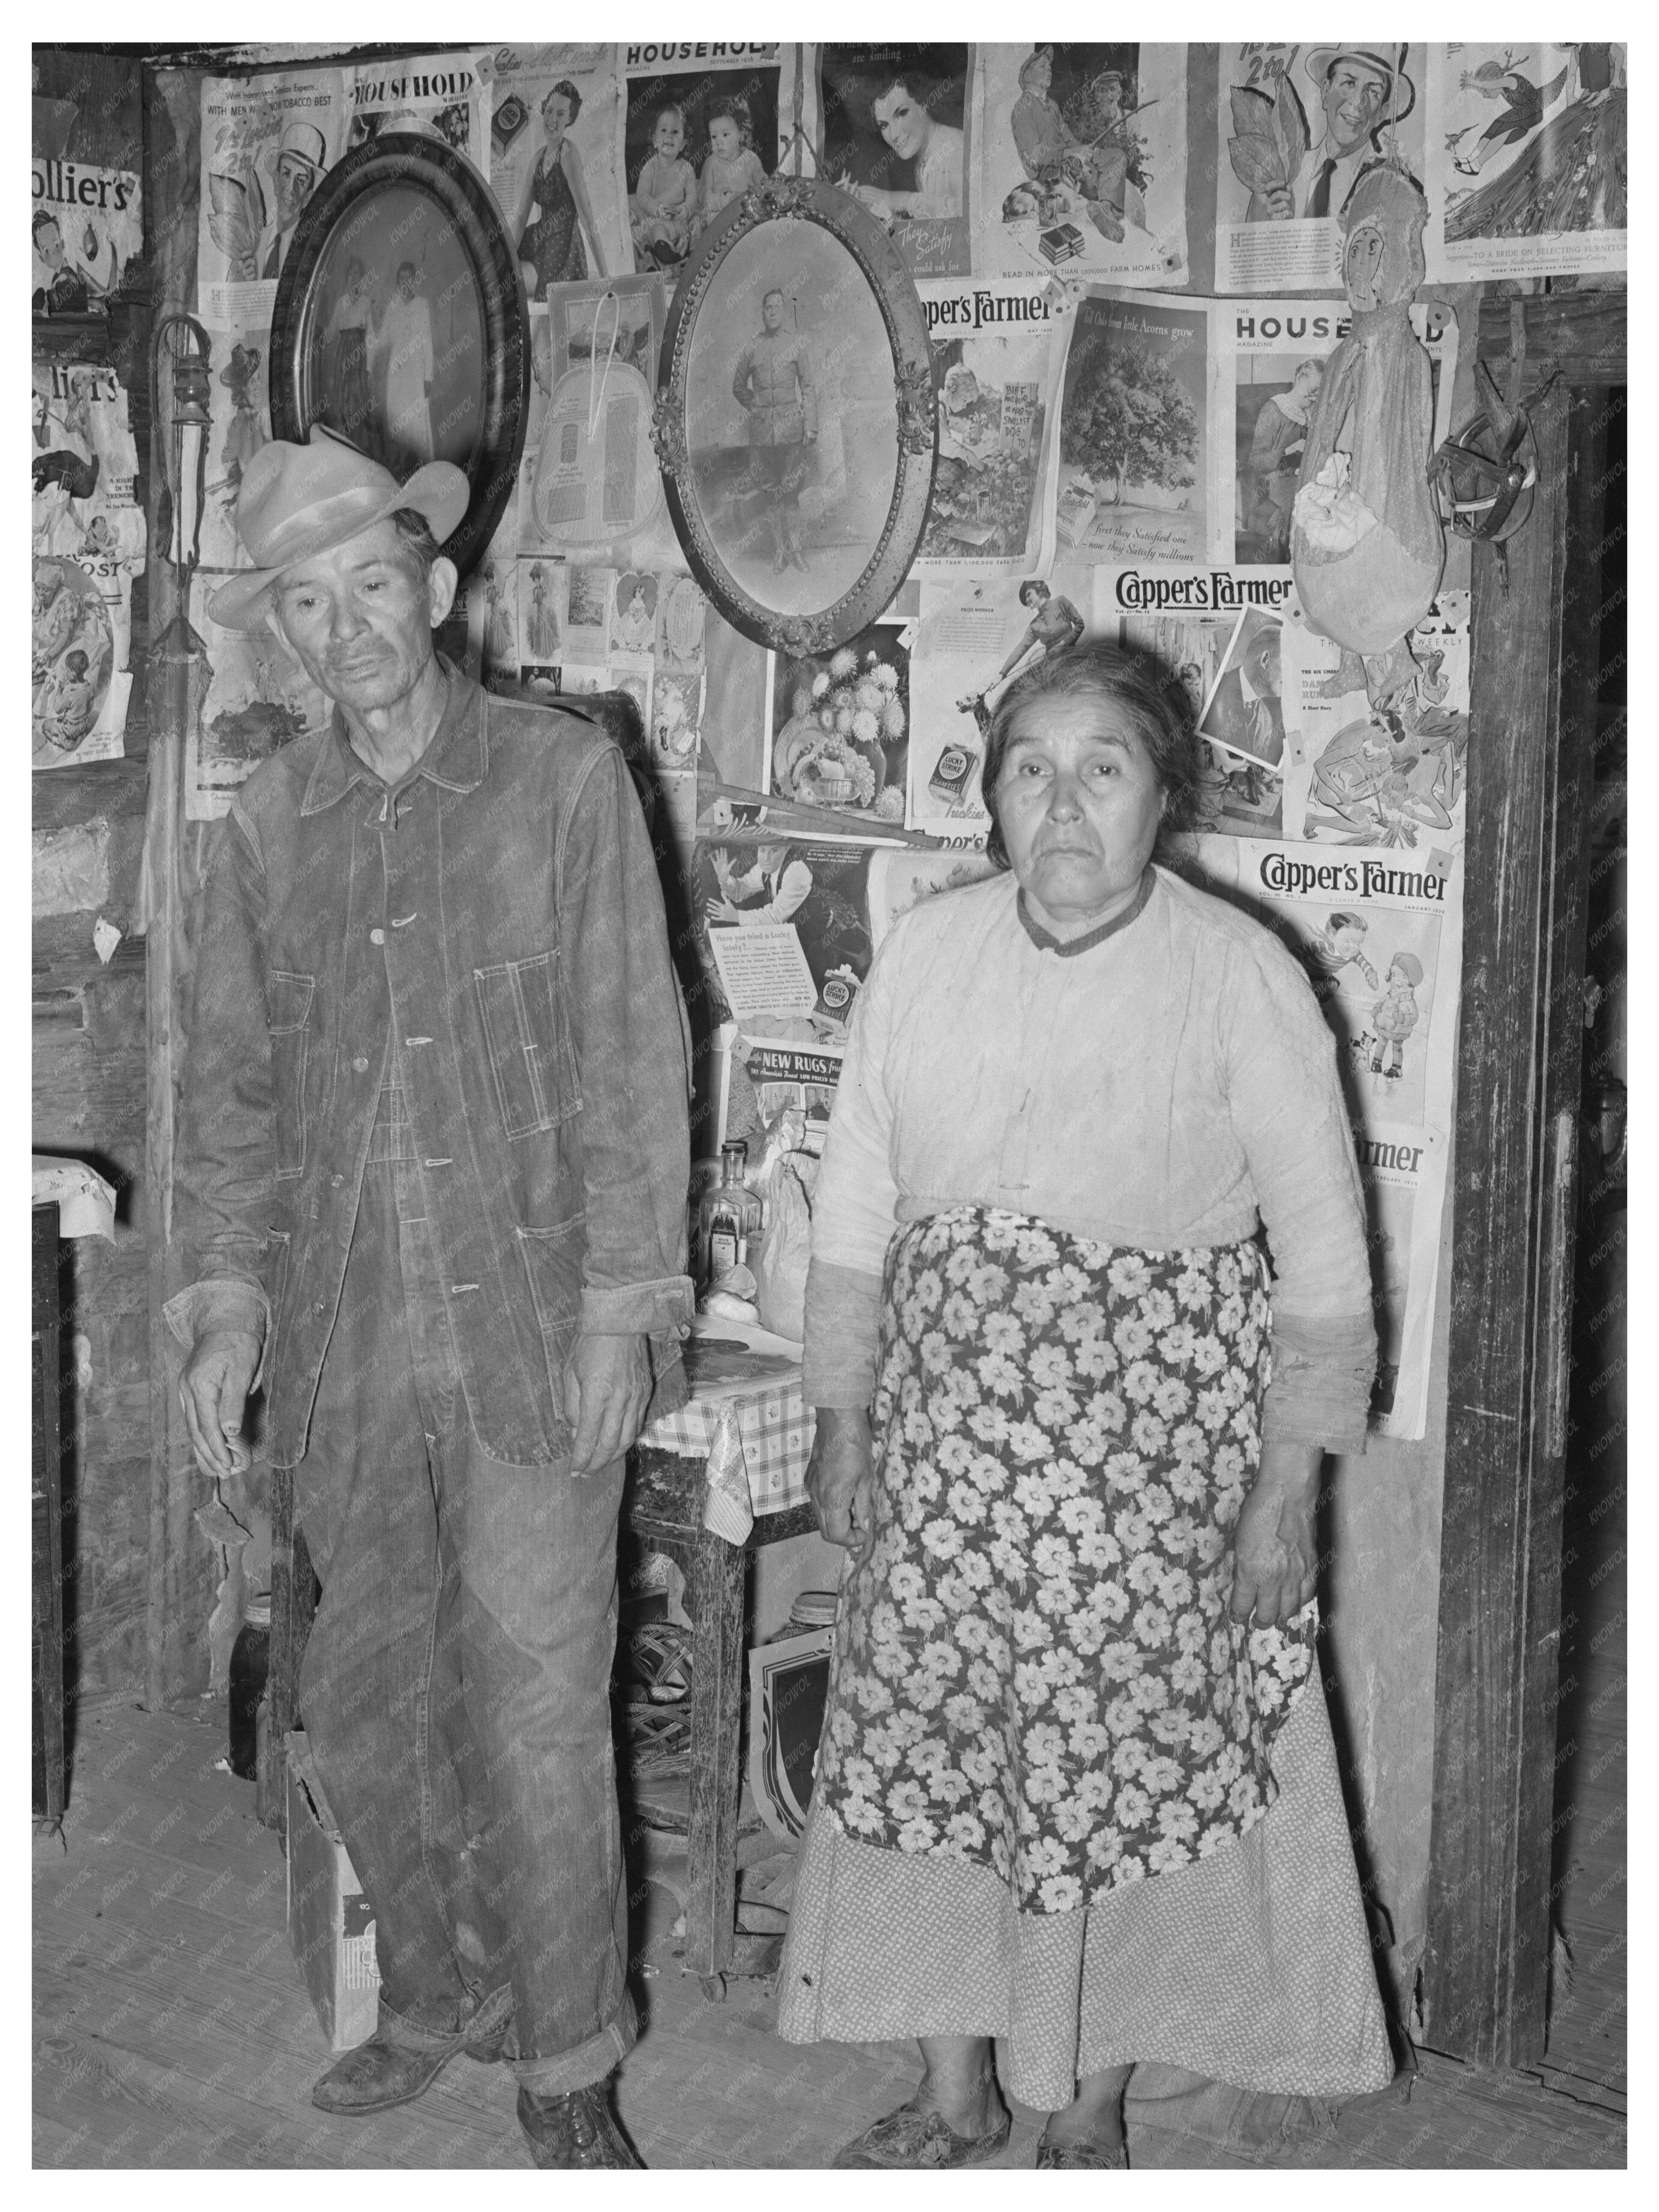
[360,1066]
[377,936]
[335,1180]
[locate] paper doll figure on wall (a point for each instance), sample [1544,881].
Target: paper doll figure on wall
[1367,545]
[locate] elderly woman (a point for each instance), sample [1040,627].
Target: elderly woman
[1076,1786]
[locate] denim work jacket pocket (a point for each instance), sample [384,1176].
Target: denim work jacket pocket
[288,1016]
[527,1037]
[553,1265]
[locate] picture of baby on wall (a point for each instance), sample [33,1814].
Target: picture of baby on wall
[732,167]
[1395,1015]
[663,205]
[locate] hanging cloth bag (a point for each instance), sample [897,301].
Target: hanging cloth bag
[596,475]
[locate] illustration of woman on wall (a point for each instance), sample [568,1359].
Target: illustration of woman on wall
[1574,176]
[900,111]
[500,643]
[731,165]
[406,347]
[346,343]
[245,433]
[550,247]
[542,622]
[665,200]
[1055,626]
[1277,444]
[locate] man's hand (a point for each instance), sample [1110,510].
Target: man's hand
[1272,204]
[607,1387]
[1275,1564]
[213,1390]
[841,1479]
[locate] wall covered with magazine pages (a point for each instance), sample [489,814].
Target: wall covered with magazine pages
[1126,254]
[1129,277]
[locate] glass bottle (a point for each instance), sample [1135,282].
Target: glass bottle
[729,1217]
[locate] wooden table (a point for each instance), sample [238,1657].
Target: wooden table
[663,1505]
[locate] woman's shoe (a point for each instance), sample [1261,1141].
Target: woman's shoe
[911,2138]
[1081,2157]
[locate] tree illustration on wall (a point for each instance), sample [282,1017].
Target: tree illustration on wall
[1127,419]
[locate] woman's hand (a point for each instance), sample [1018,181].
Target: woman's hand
[841,1479]
[1275,1563]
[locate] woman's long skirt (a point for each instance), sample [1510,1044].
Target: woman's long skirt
[1062,1797]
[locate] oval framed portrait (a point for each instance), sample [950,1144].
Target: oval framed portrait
[795,423]
[401,323]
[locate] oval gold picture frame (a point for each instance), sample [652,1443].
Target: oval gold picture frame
[782,518]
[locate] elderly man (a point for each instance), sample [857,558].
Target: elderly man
[1359,91]
[300,154]
[431,1185]
[773,379]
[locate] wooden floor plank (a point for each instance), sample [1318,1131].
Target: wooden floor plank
[172,2030]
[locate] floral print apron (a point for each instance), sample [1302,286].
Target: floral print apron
[1036,1667]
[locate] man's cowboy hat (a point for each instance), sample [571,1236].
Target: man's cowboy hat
[297,501]
[1402,92]
[306,142]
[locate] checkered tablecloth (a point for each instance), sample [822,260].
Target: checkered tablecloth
[754,1442]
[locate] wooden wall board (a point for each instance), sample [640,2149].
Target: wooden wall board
[1530,761]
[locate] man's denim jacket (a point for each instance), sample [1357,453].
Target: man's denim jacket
[499,919]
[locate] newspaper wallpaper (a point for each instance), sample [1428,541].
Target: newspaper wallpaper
[1116,458]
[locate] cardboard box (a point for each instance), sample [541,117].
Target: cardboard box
[331,1926]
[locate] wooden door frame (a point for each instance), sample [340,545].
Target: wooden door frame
[1530,768]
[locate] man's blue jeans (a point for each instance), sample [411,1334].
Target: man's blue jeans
[456,1687]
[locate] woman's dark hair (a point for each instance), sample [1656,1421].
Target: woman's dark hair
[923,90]
[1139,685]
[569,93]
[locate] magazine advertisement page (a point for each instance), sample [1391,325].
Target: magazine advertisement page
[1528,159]
[977,635]
[788,930]
[434,97]
[87,543]
[1079,161]
[790,983]
[85,226]
[267,143]
[840,727]
[1137,403]
[996,354]
[259,699]
[889,124]
[700,122]
[1353,776]
[1379,932]
[1271,356]
[555,160]
[1295,124]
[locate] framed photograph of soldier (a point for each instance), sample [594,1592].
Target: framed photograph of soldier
[401,324]
[795,421]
